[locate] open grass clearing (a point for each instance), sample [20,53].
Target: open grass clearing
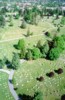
[52,88]
[5,92]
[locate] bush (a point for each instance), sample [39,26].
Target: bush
[1,63]
[23,25]
[59,42]
[44,50]
[15,61]
[29,55]
[2,21]
[63,21]
[28,33]
[40,43]
[17,16]
[38,96]
[36,53]
[11,24]
[21,44]
[22,53]
[54,53]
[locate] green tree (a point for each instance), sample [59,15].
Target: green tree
[40,43]
[45,49]
[2,21]
[21,44]
[23,25]
[28,32]
[54,53]
[38,96]
[36,53]
[10,20]
[15,61]
[29,55]
[62,21]
[22,53]
[59,42]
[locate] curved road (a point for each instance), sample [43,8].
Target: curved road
[11,87]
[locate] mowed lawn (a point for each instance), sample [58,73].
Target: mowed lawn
[52,88]
[8,48]
[11,32]
[4,89]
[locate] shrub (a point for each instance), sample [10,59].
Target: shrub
[44,50]
[47,34]
[15,61]
[59,42]
[59,71]
[38,96]
[22,53]
[41,78]
[21,44]
[2,21]
[1,63]
[11,24]
[63,21]
[17,16]
[28,33]
[51,74]
[54,53]
[40,43]
[23,25]
[29,55]
[36,53]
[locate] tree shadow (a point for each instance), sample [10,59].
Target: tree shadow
[15,46]
[8,64]
[25,97]
[51,74]
[63,97]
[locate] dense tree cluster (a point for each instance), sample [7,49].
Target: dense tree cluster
[48,50]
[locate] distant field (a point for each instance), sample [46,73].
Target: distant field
[4,89]
[15,31]
[52,88]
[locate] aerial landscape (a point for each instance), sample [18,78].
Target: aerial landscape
[32,49]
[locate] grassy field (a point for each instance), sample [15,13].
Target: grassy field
[15,31]
[4,89]
[25,76]
[52,88]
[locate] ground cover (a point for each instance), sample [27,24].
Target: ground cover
[10,32]
[52,88]
[5,92]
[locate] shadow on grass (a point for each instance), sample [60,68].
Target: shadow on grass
[25,97]
[8,64]
[63,97]
[15,46]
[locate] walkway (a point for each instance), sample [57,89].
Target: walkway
[11,87]
[6,71]
[8,40]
